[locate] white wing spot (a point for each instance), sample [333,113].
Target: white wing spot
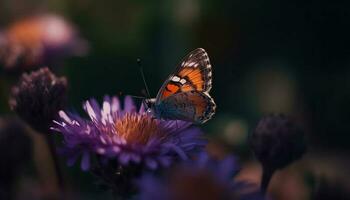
[191,64]
[209,74]
[175,79]
[182,81]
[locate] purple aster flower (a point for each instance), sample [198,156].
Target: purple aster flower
[203,178]
[124,142]
[126,135]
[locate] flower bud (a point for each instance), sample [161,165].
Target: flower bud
[38,97]
[277,141]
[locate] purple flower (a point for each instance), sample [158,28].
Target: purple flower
[39,40]
[203,178]
[127,136]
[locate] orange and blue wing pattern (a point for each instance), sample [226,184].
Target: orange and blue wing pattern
[189,106]
[194,74]
[185,94]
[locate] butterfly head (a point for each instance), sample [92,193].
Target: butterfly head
[149,104]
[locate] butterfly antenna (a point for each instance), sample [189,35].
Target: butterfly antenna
[137,97]
[143,78]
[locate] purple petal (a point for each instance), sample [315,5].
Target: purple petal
[90,111]
[152,164]
[142,108]
[165,161]
[115,104]
[202,159]
[72,159]
[85,161]
[129,105]
[177,150]
[95,105]
[228,167]
[136,158]
[107,98]
[124,158]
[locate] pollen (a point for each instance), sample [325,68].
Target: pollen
[139,129]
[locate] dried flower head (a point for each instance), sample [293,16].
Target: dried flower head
[38,97]
[39,40]
[277,141]
[204,178]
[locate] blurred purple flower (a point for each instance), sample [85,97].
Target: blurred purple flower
[125,135]
[203,178]
[277,141]
[39,40]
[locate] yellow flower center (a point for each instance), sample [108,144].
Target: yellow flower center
[138,129]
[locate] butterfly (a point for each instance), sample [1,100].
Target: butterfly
[185,94]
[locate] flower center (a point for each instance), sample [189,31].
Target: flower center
[139,129]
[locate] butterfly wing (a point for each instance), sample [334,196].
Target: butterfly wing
[197,107]
[194,74]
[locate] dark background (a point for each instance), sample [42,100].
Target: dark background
[268,57]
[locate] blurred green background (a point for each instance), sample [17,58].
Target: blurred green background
[267,56]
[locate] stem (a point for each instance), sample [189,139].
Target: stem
[56,163]
[266,177]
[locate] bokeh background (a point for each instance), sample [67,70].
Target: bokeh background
[269,56]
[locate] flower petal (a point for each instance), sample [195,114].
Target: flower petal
[72,159]
[142,108]
[129,105]
[85,161]
[124,158]
[152,164]
[115,104]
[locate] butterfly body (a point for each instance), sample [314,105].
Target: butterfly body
[185,94]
